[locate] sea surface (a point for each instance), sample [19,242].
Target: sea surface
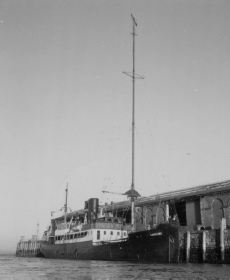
[35,268]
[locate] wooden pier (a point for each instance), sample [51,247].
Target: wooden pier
[28,248]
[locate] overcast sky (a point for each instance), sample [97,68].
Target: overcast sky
[65,106]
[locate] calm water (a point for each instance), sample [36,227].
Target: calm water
[34,268]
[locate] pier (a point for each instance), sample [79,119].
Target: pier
[28,248]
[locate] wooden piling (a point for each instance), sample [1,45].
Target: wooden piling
[188,241]
[167,212]
[222,231]
[204,246]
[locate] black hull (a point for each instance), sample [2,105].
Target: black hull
[157,245]
[29,255]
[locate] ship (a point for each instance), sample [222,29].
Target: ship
[96,234]
[93,234]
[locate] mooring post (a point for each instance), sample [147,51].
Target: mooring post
[204,246]
[166,211]
[222,231]
[188,246]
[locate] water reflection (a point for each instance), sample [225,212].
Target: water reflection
[38,269]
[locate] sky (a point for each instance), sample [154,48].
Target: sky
[66,106]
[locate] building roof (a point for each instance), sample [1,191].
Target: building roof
[178,195]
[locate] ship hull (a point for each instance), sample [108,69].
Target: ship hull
[29,255]
[26,255]
[156,245]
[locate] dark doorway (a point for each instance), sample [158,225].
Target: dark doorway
[181,212]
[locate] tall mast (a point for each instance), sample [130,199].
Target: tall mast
[133,111]
[132,193]
[133,129]
[65,206]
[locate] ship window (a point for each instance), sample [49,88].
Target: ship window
[104,232]
[118,233]
[75,235]
[71,236]
[111,232]
[98,234]
[124,233]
